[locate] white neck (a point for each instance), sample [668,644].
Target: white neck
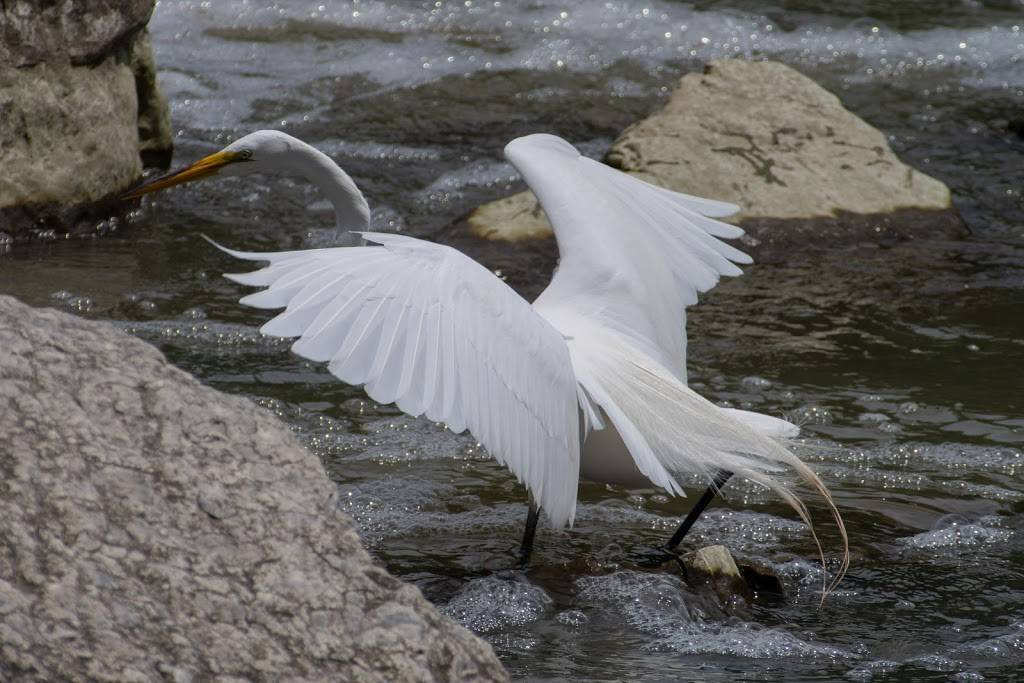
[350,208]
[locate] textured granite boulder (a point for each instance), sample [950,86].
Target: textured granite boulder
[153,528]
[79,109]
[767,138]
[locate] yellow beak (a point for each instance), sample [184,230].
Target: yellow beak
[204,168]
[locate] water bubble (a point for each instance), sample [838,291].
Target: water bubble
[493,603]
[909,408]
[811,414]
[573,618]
[755,382]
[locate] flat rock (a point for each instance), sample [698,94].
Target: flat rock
[769,139]
[156,529]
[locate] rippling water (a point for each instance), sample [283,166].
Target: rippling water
[902,361]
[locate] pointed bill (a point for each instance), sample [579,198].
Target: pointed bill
[204,168]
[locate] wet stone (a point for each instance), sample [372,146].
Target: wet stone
[715,566]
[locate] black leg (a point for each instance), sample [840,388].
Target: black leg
[531,530]
[695,513]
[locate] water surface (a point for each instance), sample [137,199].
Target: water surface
[902,361]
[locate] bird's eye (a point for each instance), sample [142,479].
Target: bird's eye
[246,154]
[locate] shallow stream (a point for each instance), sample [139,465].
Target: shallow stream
[902,361]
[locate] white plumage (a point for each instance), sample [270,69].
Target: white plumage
[599,359]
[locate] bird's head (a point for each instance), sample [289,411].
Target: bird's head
[265,151]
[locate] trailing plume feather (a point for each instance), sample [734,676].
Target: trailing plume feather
[670,429]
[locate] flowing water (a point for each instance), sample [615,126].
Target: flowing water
[902,361]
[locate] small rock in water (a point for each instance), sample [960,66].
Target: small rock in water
[755,382]
[762,579]
[714,565]
[572,617]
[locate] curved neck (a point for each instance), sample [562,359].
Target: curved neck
[350,208]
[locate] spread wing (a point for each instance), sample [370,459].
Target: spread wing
[632,255]
[423,326]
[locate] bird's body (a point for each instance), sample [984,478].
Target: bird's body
[588,381]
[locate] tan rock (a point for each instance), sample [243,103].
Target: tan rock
[68,133]
[769,139]
[79,104]
[714,565]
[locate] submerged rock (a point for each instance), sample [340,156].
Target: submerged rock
[156,529]
[79,109]
[769,139]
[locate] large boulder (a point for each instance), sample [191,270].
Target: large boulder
[769,139]
[156,529]
[79,108]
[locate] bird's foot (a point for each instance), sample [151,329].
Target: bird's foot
[653,558]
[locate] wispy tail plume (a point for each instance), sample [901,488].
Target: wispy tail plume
[669,429]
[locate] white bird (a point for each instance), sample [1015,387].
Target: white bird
[587,382]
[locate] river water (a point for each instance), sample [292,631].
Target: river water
[902,361]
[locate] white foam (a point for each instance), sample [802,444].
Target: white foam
[495,603]
[655,604]
[212,81]
[956,533]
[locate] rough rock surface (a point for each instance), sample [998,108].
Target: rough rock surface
[67,134]
[715,565]
[155,529]
[767,138]
[79,106]
[73,31]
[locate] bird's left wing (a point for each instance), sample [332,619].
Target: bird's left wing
[632,255]
[424,326]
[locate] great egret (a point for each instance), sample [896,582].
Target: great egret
[598,359]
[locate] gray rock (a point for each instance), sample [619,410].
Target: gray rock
[767,138]
[67,31]
[156,529]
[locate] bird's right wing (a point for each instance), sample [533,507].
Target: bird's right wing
[632,255]
[423,326]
